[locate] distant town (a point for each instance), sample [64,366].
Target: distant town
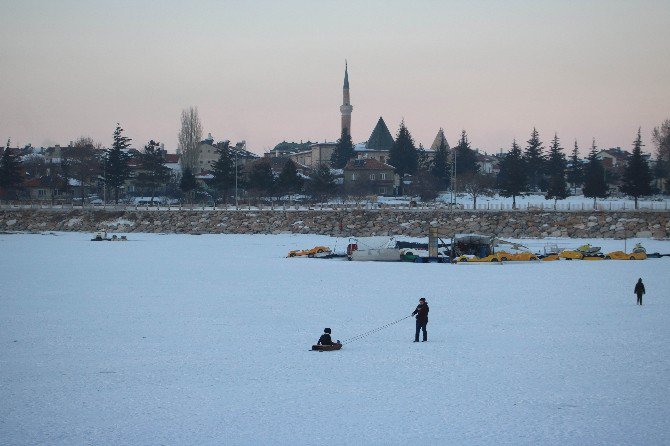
[207,170]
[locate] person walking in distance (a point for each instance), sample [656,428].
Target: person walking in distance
[639,290]
[421,313]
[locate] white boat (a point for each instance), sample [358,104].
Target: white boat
[374,249]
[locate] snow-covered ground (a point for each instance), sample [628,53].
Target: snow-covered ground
[179,339]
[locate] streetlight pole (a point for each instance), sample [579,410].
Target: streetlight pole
[104,182]
[453,189]
[236,179]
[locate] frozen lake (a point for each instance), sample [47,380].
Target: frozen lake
[178,339]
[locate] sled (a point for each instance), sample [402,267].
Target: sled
[326,348]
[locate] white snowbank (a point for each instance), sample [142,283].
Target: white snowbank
[118,222]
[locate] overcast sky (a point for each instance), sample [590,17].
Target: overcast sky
[267,71]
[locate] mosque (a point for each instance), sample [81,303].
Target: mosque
[380,141]
[377,146]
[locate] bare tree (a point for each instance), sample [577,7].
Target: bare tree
[34,165]
[476,185]
[190,136]
[360,189]
[83,161]
[425,185]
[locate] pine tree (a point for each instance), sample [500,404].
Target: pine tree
[594,177]
[477,184]
[575,169]
[115,162]
[11,176]
[465,159]
[425,185]
[154,173]
[261,178]
[66,175]
[322,183]
[512,179]
[403,155]
[188,183]
[534,158]
[556,165]
[637,176]
[223,170]
[289,182]
[343,152]
[423,161]
[661,140]
[441,168]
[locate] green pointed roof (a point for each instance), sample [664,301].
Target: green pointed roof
[381,138]
[438,140]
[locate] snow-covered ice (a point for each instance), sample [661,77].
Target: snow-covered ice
[179,339]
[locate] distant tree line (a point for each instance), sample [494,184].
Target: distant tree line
[532,169]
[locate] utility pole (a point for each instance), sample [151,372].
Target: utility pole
[104,182]
[453,189]
[235,178]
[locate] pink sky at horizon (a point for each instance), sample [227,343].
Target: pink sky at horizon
[270,71]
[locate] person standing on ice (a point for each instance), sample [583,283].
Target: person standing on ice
[421,313]
[639,290]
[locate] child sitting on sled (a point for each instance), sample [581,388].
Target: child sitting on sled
[325,338]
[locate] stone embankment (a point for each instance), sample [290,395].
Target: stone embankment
[346,222]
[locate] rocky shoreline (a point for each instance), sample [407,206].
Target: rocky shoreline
[643,224]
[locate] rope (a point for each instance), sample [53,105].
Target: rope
[368,333]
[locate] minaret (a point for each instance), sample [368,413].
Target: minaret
[346,107]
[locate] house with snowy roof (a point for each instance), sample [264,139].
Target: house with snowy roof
[314,156]
[46,187]
[378,144]
[371,174]
[208,153]
[613,158]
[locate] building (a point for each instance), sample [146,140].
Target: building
[172,163]
[286,148]
[277,165]
[316,155]
[208,155]
[368,175]
[439,139]
[614,158]
[378,144]
[488,164]
[47,187]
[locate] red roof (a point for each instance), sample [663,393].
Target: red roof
[171,158]
[33,182]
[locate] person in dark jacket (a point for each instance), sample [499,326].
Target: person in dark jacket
[639,290]
[421,313]
[325,338]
